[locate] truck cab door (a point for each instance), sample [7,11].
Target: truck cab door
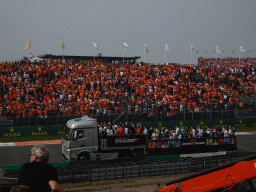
[78,139]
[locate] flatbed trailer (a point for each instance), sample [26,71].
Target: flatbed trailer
[82,141]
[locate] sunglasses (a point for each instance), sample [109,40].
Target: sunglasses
[31,155]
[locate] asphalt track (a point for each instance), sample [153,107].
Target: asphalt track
[17,155]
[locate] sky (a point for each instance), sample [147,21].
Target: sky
[178,23]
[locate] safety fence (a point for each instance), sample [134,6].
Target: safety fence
[129,168]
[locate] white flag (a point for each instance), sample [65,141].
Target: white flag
[95,46]
[125,45]
[242,50]
[192,47]
[146,48]
[217,49]
[166,47]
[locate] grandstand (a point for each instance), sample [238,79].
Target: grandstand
[72,87]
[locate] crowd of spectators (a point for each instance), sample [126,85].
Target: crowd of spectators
[89,88]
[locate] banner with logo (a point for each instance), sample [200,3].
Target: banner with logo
[126,140]
[27,131]
[193,145]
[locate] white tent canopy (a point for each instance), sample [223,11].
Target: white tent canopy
[35,59]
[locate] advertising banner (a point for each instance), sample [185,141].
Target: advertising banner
[126,140]
[191,143]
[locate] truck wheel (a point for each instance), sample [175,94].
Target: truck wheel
[83,157]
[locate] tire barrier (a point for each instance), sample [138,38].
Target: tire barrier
[128,169]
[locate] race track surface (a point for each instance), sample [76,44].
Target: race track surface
[17,155]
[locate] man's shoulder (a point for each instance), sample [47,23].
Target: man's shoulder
[25,165]
[44,165]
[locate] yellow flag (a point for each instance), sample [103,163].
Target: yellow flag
[28,45]
[63,45]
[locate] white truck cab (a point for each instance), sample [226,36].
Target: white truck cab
[81,141]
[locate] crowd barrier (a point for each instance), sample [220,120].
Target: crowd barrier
[128,169]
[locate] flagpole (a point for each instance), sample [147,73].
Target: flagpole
[239,56]
[216,54]
[191,56]
[144,56]
[93,53]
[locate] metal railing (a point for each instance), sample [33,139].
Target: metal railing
[241,112]
[128,169]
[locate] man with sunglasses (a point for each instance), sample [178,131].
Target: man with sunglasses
[37,174]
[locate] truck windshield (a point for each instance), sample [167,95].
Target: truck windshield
[67,134]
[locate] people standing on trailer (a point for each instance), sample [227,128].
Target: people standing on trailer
[150,132]
[115,128]
[211,133]
[104,138]
[229,130]
[173,134]
[126,129]
[121,130]
[193,132]
[218,131]
[214,131]
[177,129]
[225,133]
[145,131]
[167,135]
[179,136]
[233,131]
[155,135]
[182,131]
[139,130]
[100,129]
[132,130]
[208,132]
[200,132]
[161,134]
[110,131]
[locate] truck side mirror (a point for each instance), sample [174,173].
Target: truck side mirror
[75,135]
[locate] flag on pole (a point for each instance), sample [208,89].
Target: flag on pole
[63,45]
[95,46]
[166,47]
[192,47]
[146,48]
[242,50]
[28,45]
[31,56]
[125,45]
[217,49]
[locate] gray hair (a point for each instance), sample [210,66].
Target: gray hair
[41,152]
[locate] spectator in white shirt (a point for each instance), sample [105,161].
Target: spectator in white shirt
[100,129]
[145,131]
[225,133]
[177,129]
[109,131]
[126,130]
[200,132]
